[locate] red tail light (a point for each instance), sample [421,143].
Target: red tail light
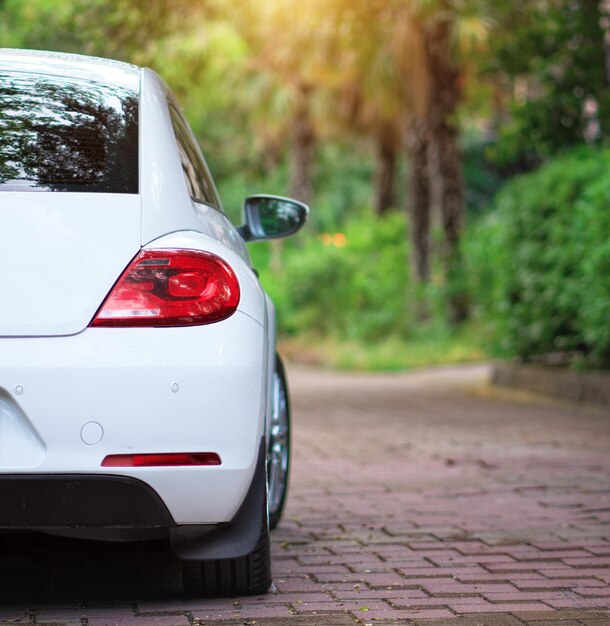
[161,460]
[171,288]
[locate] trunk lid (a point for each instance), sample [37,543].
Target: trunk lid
[61,253]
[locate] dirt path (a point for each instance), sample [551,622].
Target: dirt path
[416,498]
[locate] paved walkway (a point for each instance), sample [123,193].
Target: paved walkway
[421,498]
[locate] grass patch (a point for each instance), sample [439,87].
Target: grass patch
[428,347]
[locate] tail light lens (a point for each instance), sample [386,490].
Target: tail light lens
[171,288]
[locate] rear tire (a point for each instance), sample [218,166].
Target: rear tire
[244,576]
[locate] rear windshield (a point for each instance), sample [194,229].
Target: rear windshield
[65,134]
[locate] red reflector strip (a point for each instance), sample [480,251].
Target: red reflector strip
[161,460]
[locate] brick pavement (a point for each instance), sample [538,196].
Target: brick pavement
[421,498]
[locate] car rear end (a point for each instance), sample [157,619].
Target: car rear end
[132,371]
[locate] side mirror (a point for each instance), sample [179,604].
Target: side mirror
[271,217]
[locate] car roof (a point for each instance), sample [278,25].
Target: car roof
[77,66]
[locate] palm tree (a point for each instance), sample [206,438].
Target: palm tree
[433,39]
[293,45]
[452,30]
[368,101]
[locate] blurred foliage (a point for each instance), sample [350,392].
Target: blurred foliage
[344,299]
[551,55]
[539,266]
[536,259]
[350,284]
[429,346]
[483,178]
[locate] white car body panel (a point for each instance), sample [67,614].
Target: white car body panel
[270,366]
[122,379]
[162,181]
[62,252]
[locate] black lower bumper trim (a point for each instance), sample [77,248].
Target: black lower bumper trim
[31,501]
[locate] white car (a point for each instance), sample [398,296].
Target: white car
[140,391]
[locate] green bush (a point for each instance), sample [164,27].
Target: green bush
[539,265]
[352,284]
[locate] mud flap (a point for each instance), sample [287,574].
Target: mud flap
[235,539]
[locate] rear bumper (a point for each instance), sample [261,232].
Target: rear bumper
[146,390]
[105,507]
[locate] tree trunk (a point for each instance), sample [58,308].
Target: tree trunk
[385,174]
[446,164]
[301,187]
[419,200]
[446,168]
[603,19]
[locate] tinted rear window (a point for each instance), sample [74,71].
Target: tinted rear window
[64,134]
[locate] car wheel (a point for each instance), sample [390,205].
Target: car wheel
[244,576]
[278,450]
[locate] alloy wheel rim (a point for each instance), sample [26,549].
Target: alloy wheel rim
[278,445]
